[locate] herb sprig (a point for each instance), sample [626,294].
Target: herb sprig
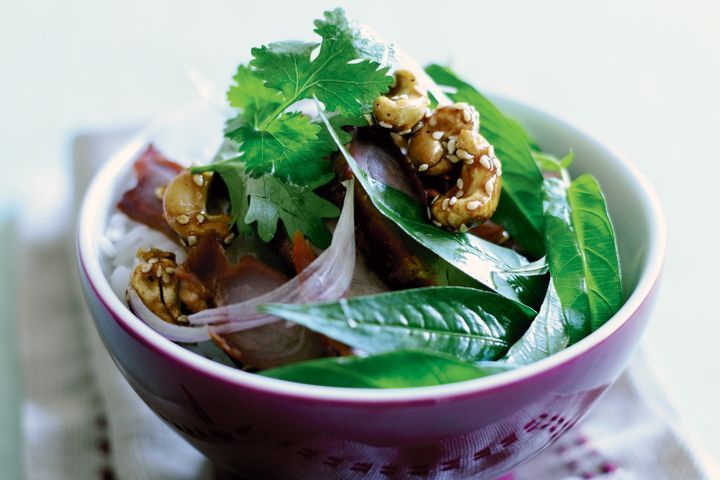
[279,145]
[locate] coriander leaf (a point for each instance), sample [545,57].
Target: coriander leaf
[470,324]
[520,207]
[250,94]
[366,42]
[398,369]
[340,85]
[299,208]
[289,148]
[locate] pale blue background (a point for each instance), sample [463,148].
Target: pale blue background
[642,75]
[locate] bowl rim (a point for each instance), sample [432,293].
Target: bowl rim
[90,268]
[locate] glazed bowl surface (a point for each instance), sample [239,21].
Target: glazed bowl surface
[262,428]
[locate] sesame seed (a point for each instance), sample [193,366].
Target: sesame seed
[417,127]
[461,106]
[469,161]
[452,158]
[453,200]
[160,192]
[423,167]
[498,167]
[145,267]
[435,198]
[437,224]
[182,219]
[428,113]
[395,97]
[169,270]
[451,146]
[445,203]
[474,205]
[385,125]
[199,180]
[459,193]
[183,319]
[463,228]
[491,150]
[200,218]
[159,271]
[432,122]
[467,116]
[464,155]
[403,150]
[405,132]
[192,240]
[485,162]
[228,240]
[429,213]
[459,183]
[166,278]
[153,260]
[438,135]
[490,186]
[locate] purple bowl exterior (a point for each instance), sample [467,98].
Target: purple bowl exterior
[261,434]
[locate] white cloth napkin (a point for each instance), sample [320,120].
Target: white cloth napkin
[82,420]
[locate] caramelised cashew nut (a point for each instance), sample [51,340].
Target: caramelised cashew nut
[474,198]
[433,148]
[185,208]
[403,106]
[163,287]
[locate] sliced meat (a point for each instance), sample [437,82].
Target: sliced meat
[393,255]
[143,203]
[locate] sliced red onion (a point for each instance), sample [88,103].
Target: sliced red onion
[327,278]
[176,333]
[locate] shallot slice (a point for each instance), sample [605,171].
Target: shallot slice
[327,278]
[176,333]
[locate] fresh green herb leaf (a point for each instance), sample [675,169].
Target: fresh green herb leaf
[534,147]
[398,369]
[300,209]
[469,324]
[520,207]
[547,335]
[484,261]
[538,267]
[267,199]
[272,141]
[347,87]
[288,148]
[250,95]
[582,253]
[551,163]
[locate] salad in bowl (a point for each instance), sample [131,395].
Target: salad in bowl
[363,268]
[365,223]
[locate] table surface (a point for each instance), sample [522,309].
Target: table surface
[641,75]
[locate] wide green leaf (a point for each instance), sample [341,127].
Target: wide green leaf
[486,262]
[520,207]
[467,323]
[398,369]
[548,334]
[581,253]
[596,237]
